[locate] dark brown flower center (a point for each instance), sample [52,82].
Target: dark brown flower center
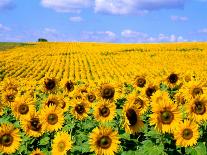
[199,108]
[61,146]
[197,91]
[91,97]
[50,84]
[104,142]
[173,78]
[69,86]
[52,119]
[80,109]
[166,117]
[6,140]
[23,109]
[104,111]
[107,92]
[150,91]
[139,102]
[35,124]
[131,116]
[141,82]
[78,97]
[10,98]
[187,134]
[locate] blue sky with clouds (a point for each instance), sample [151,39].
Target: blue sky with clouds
[103,20]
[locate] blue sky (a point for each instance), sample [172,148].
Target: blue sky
[103,20]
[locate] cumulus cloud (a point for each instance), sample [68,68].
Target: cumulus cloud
[6,4]
[74,6]
[140,37]
[99,36]
[179,18]
[113,6]
[76,19]
[135,6]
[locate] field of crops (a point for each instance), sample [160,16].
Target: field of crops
[104,99]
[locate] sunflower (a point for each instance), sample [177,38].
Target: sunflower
[165,115]
[32,125]
[107,91]
[186,134]
[197,108]
[8,97]
[9,139]
[50,85]
[140,81]
[104,111]
[173,78]
[149,89]
[52,99]
[51,118]
[37,152]
[68,85]
[80,109]
[132,121]
[139,101]
[22,106]
[193,88]
[10,84]
[104,141]
[61,143]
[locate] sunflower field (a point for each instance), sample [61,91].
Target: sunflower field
[104,99]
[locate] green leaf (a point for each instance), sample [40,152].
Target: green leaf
[45,141]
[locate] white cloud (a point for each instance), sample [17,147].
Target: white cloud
[76,19]
[74,6]
[6,4]
[135,6]
[132,34]
[139,37]
[99,36]
[179,18]
[4,28]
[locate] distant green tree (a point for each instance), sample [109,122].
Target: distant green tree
[42,40]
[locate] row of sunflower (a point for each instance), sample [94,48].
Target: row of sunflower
[92,61]
[165,115]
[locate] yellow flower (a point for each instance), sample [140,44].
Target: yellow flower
[50,85]
[165,115]
[10,84]
[197,108]
[107,91]
[9,139]
[80,109]
[132,121]
[104,141]
[173,79]
[55,100]
[23,106]
[141,102]
[104,111]
[8,97]
[149,89]
[68,85]
[186,134]
[61,143]
[32,125]
[51,118]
